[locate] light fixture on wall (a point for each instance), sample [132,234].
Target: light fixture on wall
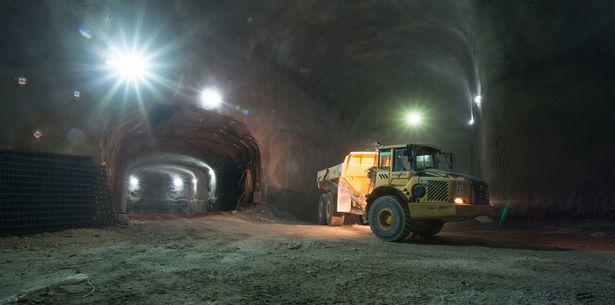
[211,98]
[178,183]
[478,100]
[414,118]
[133,183]
[129,67]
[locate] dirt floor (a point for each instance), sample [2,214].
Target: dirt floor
[247,259]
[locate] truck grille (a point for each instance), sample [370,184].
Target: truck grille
[437,190]
[481,193]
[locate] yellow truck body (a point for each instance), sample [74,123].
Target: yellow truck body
[428,195]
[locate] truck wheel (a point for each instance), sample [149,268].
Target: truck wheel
[332,216]
[427,229]
[321,211]
[389,219]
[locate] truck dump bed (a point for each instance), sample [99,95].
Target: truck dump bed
[349,179]
[355,168]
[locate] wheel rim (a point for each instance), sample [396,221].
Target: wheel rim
[320,207]
[386,219]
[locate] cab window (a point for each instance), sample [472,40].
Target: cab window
[401,161]
[425,161]
[385,159]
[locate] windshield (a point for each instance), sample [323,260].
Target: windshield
[426,161]
[430,157]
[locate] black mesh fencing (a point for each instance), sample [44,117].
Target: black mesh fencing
[50,192]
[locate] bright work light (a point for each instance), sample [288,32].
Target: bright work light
[133,183]
[211,98]
[129,67]
[178,183]
[414,118]
[478,99]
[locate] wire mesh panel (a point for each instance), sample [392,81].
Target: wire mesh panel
[50,192]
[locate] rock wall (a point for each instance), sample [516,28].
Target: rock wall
[298,134]
[207,45]
[313,80]
[544,137]
[298,131]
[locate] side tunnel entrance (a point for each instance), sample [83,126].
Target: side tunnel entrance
[162,188]
[182,160]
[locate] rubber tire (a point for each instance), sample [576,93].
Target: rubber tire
[321,211]
[332,217]
[427,229]
[401,228]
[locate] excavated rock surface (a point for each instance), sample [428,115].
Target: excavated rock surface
[312,80]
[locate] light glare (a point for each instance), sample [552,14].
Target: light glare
[133,183]
[211,98]
[129,67]
[414,118]
[178,183]
[478,99]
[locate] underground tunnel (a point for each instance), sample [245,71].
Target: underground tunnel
[242,127]
[306,90]
[166,188]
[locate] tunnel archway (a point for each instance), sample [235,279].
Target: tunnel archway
[176,187]
[211,150]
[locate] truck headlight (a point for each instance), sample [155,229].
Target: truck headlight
[458,200]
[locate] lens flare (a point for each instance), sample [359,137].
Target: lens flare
[503,215]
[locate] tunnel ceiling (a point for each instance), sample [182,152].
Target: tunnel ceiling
[370,58]
[373,54]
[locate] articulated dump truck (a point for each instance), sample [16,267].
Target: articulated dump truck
[400,189]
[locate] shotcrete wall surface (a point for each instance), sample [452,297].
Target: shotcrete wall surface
[298,136]
[297,133]
[544,141]
[308,81]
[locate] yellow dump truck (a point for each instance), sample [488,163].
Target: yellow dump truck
[400,189]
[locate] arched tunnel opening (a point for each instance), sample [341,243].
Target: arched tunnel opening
[182,160]
[166,187]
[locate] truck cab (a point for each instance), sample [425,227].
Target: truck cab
[424,174]
[411,177]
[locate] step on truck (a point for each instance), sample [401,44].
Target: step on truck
[400,189]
